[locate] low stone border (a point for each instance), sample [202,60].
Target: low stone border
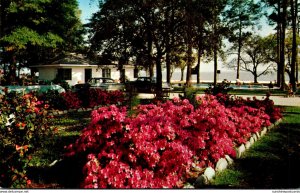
[223,163]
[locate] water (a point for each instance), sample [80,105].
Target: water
[230,76]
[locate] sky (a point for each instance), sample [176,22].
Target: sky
[87,9]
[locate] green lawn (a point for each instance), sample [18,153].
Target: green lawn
[239,91]
[273,162]
[65,173]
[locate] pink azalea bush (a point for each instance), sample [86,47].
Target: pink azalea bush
[71,100]
[162,145]
[88,98]
[98,97]
[266,105]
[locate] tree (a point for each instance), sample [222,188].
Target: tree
[256,56]
[290,65]
[218,31]
[240,17]
[35,32]
[156,31]
[294,16]
[285,12]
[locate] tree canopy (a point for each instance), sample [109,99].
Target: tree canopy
[36,31]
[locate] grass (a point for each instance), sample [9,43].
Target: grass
[273,162]
[69,127]
[239,91]
[66,173]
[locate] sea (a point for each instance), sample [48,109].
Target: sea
[208,76]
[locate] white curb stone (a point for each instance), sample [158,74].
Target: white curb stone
[229,159]
[254,137]
[263,131]
[188,186]
[240,151]
[251,141]
[209,173]
[221,165]
[247,145]
[258,135]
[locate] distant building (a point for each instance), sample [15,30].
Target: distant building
[75,68]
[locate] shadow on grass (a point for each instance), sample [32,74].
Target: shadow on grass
[66,173]
[273,162]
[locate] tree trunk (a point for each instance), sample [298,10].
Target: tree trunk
[182,74]
[239,52]
[12,75]
[198,67]
[255,78]
[168,65]
[278,35]
[294,47]
[215,65]
[282,49]
[189,66]
[149,48]
[189,44]
[158,75]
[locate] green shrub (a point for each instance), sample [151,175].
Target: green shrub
[220,88]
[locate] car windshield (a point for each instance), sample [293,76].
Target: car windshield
[100,80]
[145,79]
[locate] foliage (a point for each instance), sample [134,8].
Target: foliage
[24,128]
[258,56]
[240,16]
[161,145]
[267,105]
[219,88]
[53,99]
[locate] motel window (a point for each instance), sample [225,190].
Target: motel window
[106,73]
[64,73]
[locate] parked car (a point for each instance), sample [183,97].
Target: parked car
[35,88]
[101,83]
[146,85]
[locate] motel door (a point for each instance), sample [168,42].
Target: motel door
[87,74]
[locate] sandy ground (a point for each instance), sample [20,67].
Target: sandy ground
[278,100]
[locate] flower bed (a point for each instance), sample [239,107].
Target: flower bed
[24,127]
[164,144]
